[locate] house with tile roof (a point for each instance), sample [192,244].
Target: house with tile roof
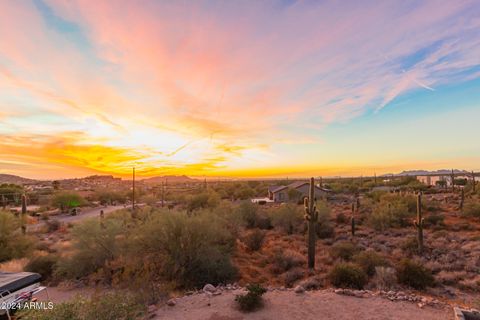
[283,193]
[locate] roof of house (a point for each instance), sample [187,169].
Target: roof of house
[274,189]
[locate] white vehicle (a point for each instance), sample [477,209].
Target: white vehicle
[17,288]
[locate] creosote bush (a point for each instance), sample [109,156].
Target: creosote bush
[254,239]
[414,275]
[347,275]
[285,260]
[44,265]
[252,300]
[287,218]
[369,260]
[13,244]
[343,250]
[385,278]
[472,209]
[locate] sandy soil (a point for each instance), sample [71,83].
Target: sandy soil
[287,305]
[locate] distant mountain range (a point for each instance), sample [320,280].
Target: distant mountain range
[170,179]
[10,178]
[425,172]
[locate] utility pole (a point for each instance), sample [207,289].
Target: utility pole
[375,177]
[163,194]
[133,191]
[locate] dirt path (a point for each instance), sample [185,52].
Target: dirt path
[287,305]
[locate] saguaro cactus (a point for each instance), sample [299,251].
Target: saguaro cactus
[473,182]
[418,223]
[353,219]
[452,177]
[462,199]
[311,215]
[24,213]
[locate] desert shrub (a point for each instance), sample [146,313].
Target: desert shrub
[67,200]
[13,243]
[414,275]
[435,220]
[385,278]
[43,265]
[189,251]
[99,307]
[387,215]
[93,246]
[471,209]
[343,250]
[293,275]
[285,260]
[324,228]
[252,299]
[341,218]
[248,213]
[203,200]
[410,246]
[254,239]
[347,275]
[263,222]
[369,260]
[286,218]
[52,225]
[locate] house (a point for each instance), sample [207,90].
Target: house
[435,180]
[283,193]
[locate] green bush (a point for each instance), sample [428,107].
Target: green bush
[107,306]
[93,247]
[471,209]
[254,239]
[342,218]
[67,200]
[188,251]
[343,250]
[369,260]
[347,275]
[287,218]
[44,265]
[414,275]
[252,299]
[13,243]
[324,228]
[248,213]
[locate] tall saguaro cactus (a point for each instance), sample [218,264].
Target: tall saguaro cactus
[353,220]
[462,200]
[419,223]
[473,181]
[24,213]
[311,215]
[452,177]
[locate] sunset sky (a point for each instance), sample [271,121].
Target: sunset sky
[238,88]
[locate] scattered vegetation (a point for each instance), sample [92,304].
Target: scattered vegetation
[347,275]
[13,243]
[369,261]
[343,250]
[414,275]
[252,300]
[254,239]
[107,306]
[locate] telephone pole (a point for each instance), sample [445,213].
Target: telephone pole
[133,191]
